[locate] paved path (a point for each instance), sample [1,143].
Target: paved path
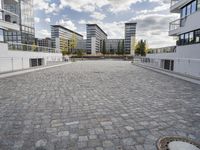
[95,105]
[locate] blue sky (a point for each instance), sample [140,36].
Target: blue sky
[152,16]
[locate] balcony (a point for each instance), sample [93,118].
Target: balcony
[9,15]
[175,26]
[29,48]
[177,4]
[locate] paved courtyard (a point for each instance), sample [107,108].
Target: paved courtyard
[96,105]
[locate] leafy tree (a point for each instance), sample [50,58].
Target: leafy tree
[104,48]
[141,48]
[79,53]
[73,42]
[122,48]
[118,48]
[65,47]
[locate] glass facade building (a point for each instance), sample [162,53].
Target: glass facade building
[26,35]
[130,31]
[94,31]
[62,36]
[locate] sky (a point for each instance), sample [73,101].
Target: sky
[152,17]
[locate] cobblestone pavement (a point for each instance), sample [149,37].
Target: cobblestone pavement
[96,105]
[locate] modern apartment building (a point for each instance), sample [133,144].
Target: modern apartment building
[130,37]
[62,36]
[9,18]
[95,36]
[44,42]
[21,13]
[113,45]
[185,58]
[14,32]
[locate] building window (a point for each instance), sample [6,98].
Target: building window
[1,36]
[197,36]
[189,8]
[194,6]
[186,41]
[191,37]
[198,5]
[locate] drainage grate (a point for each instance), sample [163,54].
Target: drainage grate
[163,143]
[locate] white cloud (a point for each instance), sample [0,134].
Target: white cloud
[47,20]
[67,23]
[154,28]
[46,6]
[83,5]
[43,33]
[98,15]
[37,20]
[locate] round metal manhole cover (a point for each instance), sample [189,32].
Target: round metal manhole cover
[177,143]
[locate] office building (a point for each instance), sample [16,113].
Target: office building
[21,13]
[61,37]
[44,42]
[185,57]
[95,36]
[130,37]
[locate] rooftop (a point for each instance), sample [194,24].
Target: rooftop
[97,27]
[59,26]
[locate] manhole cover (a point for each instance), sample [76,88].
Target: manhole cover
[177,143]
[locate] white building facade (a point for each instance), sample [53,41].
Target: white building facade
[185,58]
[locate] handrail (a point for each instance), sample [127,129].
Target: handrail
[177,23]
[170,49]
[31,48]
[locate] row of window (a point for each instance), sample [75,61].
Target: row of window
[189,9]
[189,38]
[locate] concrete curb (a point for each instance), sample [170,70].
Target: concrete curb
[169,73]
[11,74]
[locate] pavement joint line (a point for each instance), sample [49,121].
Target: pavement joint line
[172,74]
[11,74]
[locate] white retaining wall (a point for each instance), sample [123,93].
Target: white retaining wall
[16,60]
[186,59]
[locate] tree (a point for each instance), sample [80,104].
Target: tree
[79,53]
[73,42]
[141,48]
[118,48]
[122,48]
[104,48]
[65,47]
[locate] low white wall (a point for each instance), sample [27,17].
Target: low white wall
[16,60]
[186,59]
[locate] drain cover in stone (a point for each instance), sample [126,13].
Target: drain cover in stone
[178,145]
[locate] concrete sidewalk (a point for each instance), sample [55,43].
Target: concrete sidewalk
[10,74]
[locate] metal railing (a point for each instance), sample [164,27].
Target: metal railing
[31,48]
[177,24]
[170,49]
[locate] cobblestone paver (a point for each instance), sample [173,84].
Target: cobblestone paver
[96,105]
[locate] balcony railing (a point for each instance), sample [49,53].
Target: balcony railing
[177,24]
[30,48]
[170,49]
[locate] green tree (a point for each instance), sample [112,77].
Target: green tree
[122,48]
[73,43]
[104,48]
[79,53]
[141,48]
[118,48]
